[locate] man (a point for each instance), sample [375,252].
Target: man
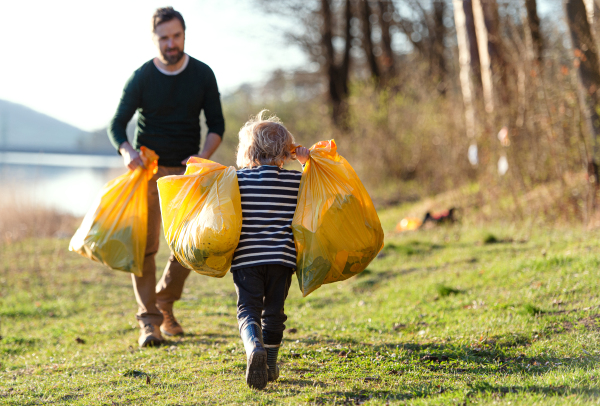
[168,93]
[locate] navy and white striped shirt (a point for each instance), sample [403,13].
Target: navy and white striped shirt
[269,197]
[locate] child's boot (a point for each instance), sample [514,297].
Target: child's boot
[256,355]
[273,368]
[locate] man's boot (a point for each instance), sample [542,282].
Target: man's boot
[256,356]
[170,326]
[273,368]
[150,336]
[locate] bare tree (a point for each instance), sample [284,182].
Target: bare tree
[426,31]
[484,56]
[586,58]
[492,23]
[498,57]
[337,74]
[464,58]
[437,44]
[467,10]
[533,24]
[592,8]
[366,14]
[407,26]
[386,13]
[318,24]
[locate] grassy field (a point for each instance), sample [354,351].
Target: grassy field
[446,316]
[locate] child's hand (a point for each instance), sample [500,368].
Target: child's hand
[302,154]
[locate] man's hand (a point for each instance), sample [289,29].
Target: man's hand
[210,146]
[131,158]
[302,154]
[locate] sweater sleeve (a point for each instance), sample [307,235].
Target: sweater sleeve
[129,103]
[212,107]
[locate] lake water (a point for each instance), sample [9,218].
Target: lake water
[65,182]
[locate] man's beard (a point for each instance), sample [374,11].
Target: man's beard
[172,59]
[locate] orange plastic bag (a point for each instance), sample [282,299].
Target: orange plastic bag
[202,216]
[115,230]
[336,228]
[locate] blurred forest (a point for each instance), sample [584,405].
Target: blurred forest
[478,99]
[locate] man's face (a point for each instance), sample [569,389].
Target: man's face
[169,38]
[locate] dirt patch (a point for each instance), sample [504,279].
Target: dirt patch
[591,322]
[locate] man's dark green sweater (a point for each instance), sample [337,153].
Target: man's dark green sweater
[168,109]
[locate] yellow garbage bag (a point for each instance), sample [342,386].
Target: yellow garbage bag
[336,228]
[202,216]
[115,230]
[409,224]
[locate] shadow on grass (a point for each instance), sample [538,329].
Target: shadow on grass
[294,386]
[359,397]
[487,360]
[412,248]
[31,311]
[195,339]
[492,356]
[485,388]
[17,345]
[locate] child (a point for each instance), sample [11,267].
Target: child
[265,258]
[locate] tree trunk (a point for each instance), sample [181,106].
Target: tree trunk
[586,58]
[467,10]
[438,47]
[367,28]
[592,9]
[484,56]
[492,23]
[336,75]
[533,23]
[464,58]
[496,48]
[386,12]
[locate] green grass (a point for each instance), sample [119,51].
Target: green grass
[520,324]
[490,239]
[444,290]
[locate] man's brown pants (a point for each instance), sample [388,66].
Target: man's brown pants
[148,293]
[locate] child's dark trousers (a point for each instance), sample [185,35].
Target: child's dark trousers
[262,291]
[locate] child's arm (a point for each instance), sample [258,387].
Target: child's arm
[302,154]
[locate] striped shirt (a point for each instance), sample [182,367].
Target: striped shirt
[269,197]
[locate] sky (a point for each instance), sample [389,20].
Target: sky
[69,59]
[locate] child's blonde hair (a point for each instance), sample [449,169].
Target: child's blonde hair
[264,141]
